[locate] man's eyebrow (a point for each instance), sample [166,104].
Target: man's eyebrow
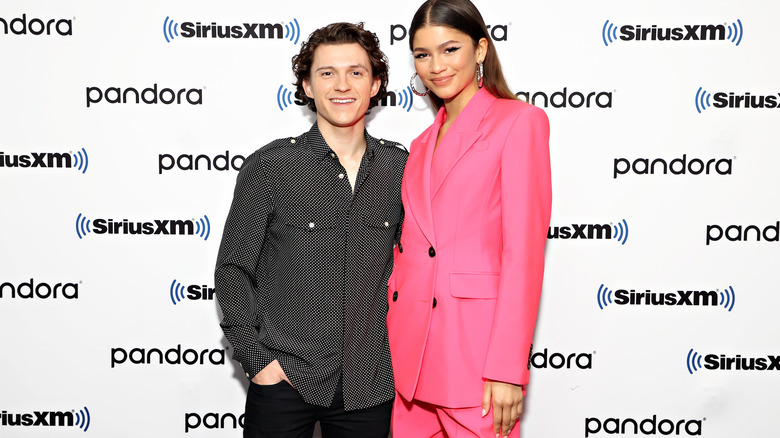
[327,67]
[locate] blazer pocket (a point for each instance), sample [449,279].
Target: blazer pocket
[474,285]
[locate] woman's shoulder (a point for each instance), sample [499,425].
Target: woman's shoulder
[512,108]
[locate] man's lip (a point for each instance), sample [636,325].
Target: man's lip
[346,99]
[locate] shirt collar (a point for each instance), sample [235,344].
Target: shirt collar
[319,147]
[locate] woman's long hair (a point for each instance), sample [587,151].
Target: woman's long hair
[462,15]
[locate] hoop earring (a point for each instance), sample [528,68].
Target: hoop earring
[411,84]
[480,74]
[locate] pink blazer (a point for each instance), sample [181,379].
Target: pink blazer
[464,292]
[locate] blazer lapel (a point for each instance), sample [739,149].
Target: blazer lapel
[461,136]
[418,174]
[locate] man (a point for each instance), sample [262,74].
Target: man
[302,270]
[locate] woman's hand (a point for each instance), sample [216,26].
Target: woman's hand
[507,405]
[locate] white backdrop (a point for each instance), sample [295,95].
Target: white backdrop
[130,345]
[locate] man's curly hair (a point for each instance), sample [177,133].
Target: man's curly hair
[340,33]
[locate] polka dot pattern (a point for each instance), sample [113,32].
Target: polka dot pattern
[302,269]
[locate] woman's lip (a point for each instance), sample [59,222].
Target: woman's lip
[441,80]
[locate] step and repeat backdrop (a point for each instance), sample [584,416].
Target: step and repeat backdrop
[123,125]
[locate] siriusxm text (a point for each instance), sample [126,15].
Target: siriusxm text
[36,159]
[679,298]
[37,418]
[690,32]
[245,30]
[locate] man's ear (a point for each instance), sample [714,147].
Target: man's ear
[375,86]
[307,88]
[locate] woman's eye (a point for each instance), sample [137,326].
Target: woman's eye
[451,49]
[420,55]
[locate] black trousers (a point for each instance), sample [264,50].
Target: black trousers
[278,411]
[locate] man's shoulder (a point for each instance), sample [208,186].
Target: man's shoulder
[392,149]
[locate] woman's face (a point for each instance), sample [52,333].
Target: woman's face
[447,61]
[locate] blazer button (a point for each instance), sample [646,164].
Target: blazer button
[395,295]
[431,252]
[434,303]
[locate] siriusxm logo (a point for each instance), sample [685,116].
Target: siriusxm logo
[677,166]
[723,99]
[718,298]
[739,233]
[566,99]
[49,160]
[179,292]
[722,362]
[284,98]
[41,290]
[80,419]
[404,99]
[172,356]
[212,420]
[36,26]
[188,227]
[689,32]
[149,96]
[618,232]
[166,162]
[543,359]
[290,31]
[648,426]
[498,32]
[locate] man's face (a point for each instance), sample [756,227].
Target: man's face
[341,84]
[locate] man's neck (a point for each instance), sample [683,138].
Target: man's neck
[348,141]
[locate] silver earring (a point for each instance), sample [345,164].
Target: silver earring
[480,74]
[411,84]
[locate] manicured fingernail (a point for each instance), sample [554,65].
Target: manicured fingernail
[484,412]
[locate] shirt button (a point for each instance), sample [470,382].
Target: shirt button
[311,224]
[341,176]
[292,140]
[434,303]
[332,154]
[381,142]
[395,295]
[400,247]
[247,375]
[387,224]
[431,252]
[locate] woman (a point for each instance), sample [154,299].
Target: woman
[464,292]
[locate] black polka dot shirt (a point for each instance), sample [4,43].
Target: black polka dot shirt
[302,269]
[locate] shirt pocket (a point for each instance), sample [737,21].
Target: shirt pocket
[311,219]
[382,218]
[474,285]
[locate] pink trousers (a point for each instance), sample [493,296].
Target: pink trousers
[416,419]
